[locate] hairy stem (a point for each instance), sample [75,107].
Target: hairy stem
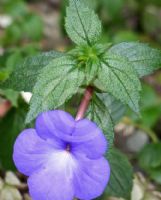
[84,103]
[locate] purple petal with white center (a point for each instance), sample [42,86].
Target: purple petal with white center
[31,152]
[91,177]
[55,181]
[63,158]
[84,135]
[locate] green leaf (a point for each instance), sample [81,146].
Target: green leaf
[7,63]
[11,95]
[106,111]
[25,75]
[149,97]
[155,174]
[13,60]
[150,108]
[125,36]
[150,160]
[91,70]
[150,116]
[4,74]
[11,125]
[34,23]
[93,4]
[120,184]
[82,24]
[113,8]
[150,157]
[117,76]
[56,84]
[143,58]
[151,20]
[15,9]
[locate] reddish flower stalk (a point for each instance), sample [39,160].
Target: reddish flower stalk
[4,108]
[84,103]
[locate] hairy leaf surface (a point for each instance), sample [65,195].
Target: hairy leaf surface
[56,84]
[82,24]
[117,76]
[25,75]
[106,111]
[143,58]
[120,184]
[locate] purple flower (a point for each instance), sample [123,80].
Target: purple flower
[63,158]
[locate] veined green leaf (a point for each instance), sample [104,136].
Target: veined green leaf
[120,184]
[82,24]
[56,84]
[117,76]
[143,58]
[25,75]
[115,107]
[91,70]
[105,111]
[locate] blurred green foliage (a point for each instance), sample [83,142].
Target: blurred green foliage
[25,25]
[150,160]
[150,108]
[12,56]
[11,125]
[19,39]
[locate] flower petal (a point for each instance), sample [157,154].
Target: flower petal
[52,122]
[31,152]
[91,178]
[63,126]
[96,146]
[55,181]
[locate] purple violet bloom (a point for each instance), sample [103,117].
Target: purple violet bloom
[63,158]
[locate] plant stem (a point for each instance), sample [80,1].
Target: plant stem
[84,103]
